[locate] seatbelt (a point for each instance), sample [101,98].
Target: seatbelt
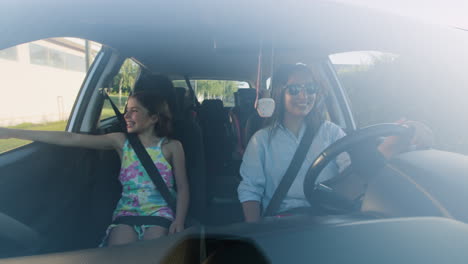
[151,169]
[259,73]
[145,158]
[291,172]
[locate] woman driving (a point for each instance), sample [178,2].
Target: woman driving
[271,149]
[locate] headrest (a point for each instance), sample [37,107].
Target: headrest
[181,100]
[212,109]
[246,98]
[180,91]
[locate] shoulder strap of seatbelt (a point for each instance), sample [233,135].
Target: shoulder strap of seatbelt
[151,169]
[291,172]
[145,158]
[119,115]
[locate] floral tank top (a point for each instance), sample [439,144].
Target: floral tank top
[139,194]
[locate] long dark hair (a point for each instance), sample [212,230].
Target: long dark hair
[278,84]
[161,85]
[156,105]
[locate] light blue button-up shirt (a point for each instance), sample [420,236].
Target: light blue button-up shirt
[266,160]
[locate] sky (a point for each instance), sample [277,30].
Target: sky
[446,12]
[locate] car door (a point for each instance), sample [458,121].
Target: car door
[47,197]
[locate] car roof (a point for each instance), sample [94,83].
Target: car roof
[211,38]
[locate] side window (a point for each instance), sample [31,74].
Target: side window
[214,89]
[121,86]
[370,79]
[218,89]
[182,83]
[40,82]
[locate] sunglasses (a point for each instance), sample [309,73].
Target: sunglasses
[308,88]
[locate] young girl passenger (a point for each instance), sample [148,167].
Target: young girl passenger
[148,116]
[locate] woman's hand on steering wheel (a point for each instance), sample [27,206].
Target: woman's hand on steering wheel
[312,189]
[422,138]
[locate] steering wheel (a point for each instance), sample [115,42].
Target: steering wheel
[314,192]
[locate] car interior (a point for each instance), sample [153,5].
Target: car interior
[60,200]
[213,136]
[76,201]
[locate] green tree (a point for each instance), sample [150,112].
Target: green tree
[125,79]
[219,89]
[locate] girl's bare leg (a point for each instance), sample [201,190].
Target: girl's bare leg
[154,232]
[121,235]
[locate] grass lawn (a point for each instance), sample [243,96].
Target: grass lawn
[9,144]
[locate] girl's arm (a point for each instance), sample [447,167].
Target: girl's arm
[108,141]
[178,165]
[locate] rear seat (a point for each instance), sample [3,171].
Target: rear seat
[186,103]
[218,142]
[239,114]
[254,123]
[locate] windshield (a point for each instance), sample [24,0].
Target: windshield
[385,87]
[267,142]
